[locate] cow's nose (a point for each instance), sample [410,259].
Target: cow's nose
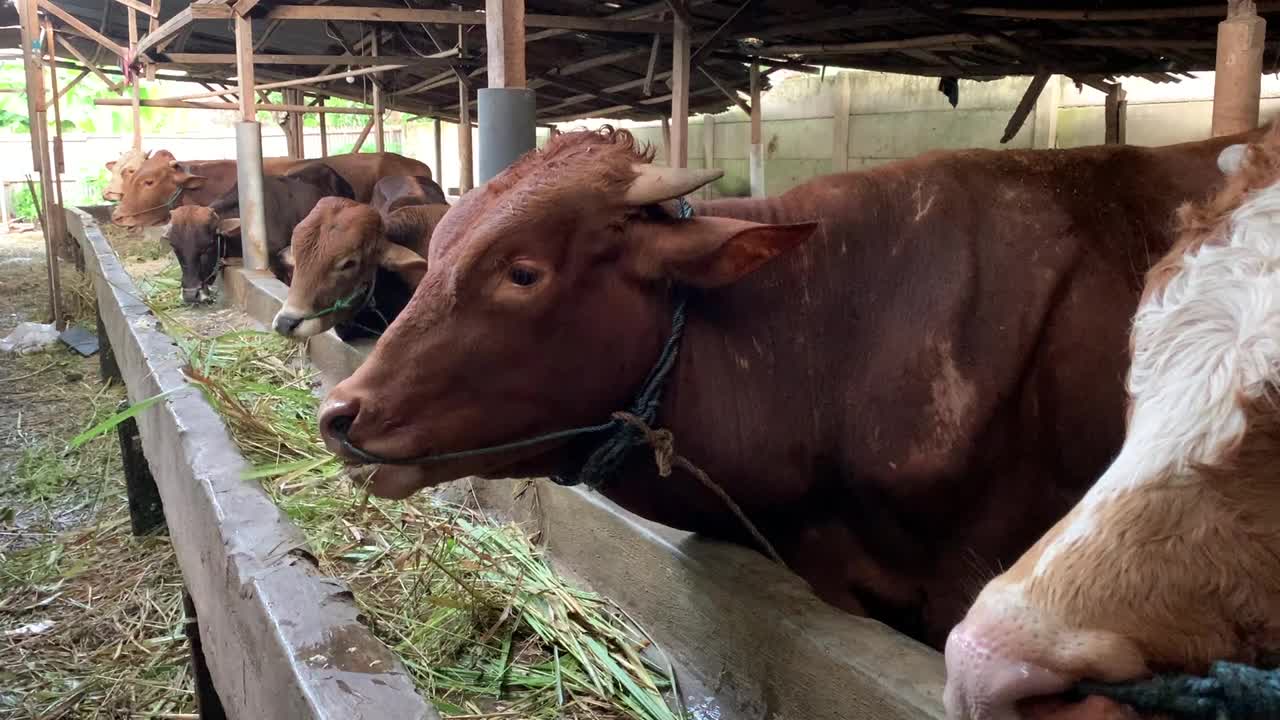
[190,296]
[337,415]
[985,679]
[285,323]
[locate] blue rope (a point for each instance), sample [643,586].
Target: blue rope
[1231,690]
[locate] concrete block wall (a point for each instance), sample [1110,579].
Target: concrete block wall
[893,117]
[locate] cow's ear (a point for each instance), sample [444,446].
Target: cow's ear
[229,227]
[286,257]
[111,164]
[187,181]
[712,252]
[404,262]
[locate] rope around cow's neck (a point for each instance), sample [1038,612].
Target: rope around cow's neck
[1231,690]
[167,204]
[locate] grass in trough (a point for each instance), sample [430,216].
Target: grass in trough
[479,618]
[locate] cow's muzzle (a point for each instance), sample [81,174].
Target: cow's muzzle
[195,296]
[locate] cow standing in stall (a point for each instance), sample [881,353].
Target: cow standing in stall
[1171,561]
[201,237]
[902,376]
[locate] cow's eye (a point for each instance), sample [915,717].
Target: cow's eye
[149,183]
[523,275]
[128,172]
[346,265]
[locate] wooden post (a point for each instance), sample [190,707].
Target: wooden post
[244,67]
[324,134]
[504,30]
[436,139]
[1237,84]
[58,220]
[379,137]
[708,149]
[666,140]
[136,88]
[757,134]
[840,129]
[466,167]
[1115,110]
[29,30]
[679,156]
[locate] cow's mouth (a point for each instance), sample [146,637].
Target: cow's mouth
[1065,707]
[198,295]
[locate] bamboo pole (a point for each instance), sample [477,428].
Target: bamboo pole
[136,89]
[293,83]
[324,134]
[29,30]
[379,135]
[679,93]
[436,138]
[268,107]
[466,169]
[58,219]
[364,135]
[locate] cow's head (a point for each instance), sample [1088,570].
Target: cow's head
[197,236]
[545,304]
[153,190]
[334,254]
[1172,560]
[122,169]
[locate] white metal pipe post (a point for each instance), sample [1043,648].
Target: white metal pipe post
[506,108]
[1237,84]
[253,215]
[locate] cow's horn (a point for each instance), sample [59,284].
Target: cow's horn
[655,184]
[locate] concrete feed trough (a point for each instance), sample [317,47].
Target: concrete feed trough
[749,640]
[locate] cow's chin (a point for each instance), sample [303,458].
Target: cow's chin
[1091,708]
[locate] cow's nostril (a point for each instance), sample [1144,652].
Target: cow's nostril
[336,419]
[286,324]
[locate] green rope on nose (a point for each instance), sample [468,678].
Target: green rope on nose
[356,300]
[1230,691]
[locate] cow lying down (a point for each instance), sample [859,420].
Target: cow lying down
[201,236]
[1171,561]
[354,269]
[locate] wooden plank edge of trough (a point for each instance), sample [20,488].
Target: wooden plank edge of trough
[281,639]
[727,615]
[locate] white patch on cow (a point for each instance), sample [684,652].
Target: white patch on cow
[1210,338]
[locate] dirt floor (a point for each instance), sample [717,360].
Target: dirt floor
[75,640]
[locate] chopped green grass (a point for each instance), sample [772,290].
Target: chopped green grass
[479,618]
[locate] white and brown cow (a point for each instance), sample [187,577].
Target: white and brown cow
[1172,560]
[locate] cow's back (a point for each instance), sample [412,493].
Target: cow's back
[363,170]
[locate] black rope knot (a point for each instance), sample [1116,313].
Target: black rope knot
[1231,690]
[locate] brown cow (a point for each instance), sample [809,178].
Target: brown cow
[399,191]
[925,378]
[349,260]
[1172,559]
[163,183]
[202,236]
[364,170]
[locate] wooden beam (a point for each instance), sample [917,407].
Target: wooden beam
[666,139]
[379,134]
[718,35]
[458,17]
[583,97]
[679,94]
[168,29]
[1237,80]
[136,85]
[88,32]
[74,81]
[841,106]
[1111,15]
[1116,110]
[653,62]
[335,60]
[266,107]
[244,67]
[854,48]
[466,166]
[364,135]
[29,29]
[141,7]
[726,90]
[112,86]
[1142,43]
[708,149]
[681,10]
[242,7]
[505,35]
[58,216]
[757,135]
[292,83]
[438,146]
[324,132]
[1025,106]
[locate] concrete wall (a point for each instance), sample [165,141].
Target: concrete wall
[892,117]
